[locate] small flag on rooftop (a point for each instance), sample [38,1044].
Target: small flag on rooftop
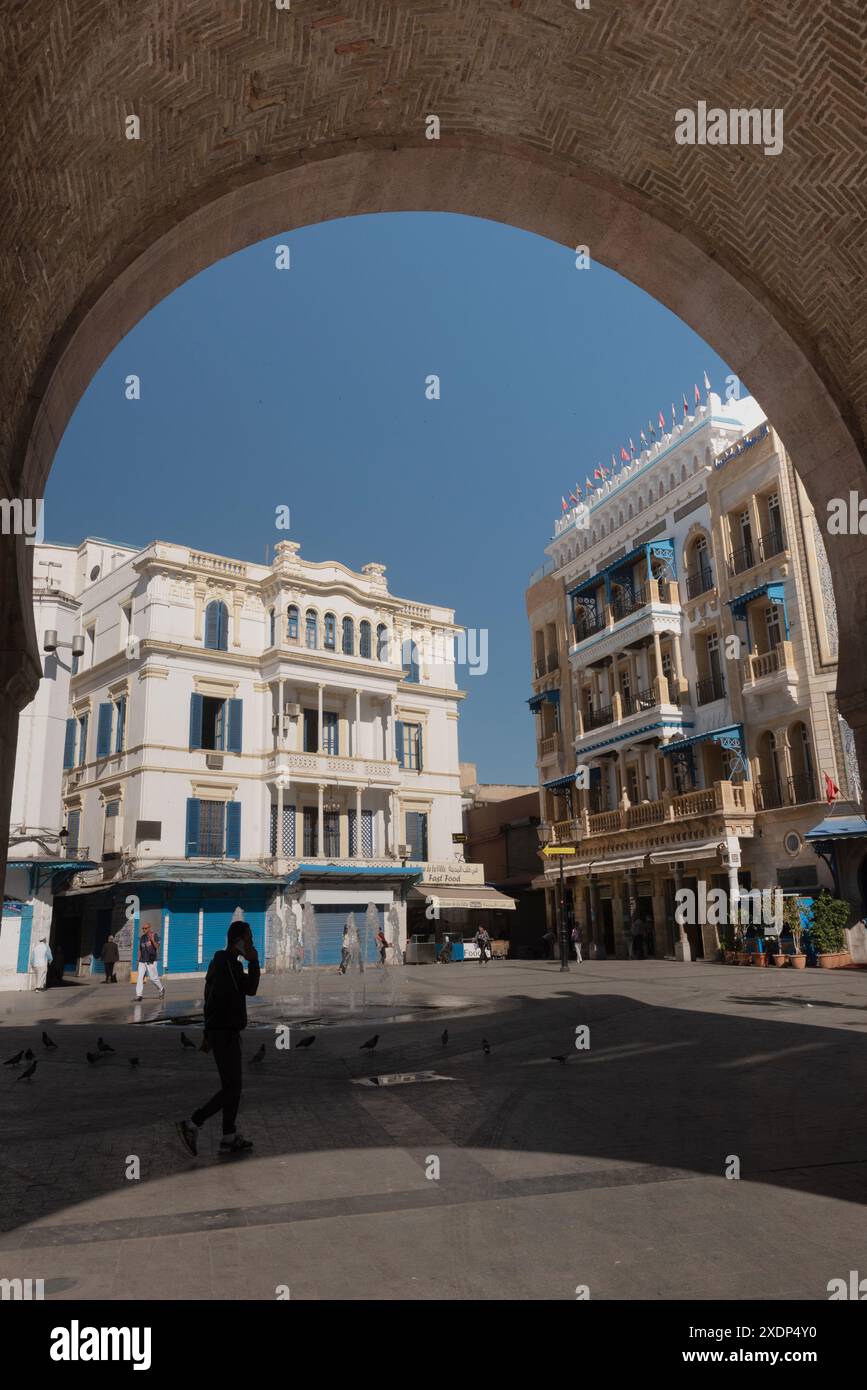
[673,416]
[631,448]
[564,506]
[685,408]
[707,382]
[662,422]
[697,395]
[623,454]
[644,437]
[652,430]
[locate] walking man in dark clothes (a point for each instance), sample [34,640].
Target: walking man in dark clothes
[110,955]
[226,988]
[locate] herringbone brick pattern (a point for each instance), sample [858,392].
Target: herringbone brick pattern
[225,85]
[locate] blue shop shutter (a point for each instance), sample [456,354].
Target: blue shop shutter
[236,715]
[69,745]
[398,740]
[233,830]
[23,964]
[103,732]
[193,813]
[121,724]
[196,707]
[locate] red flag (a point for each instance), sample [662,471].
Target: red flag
[573,498]
[697,395]
[599,472]
[685,408]
[832,791]
[623,454]
[563,504]
[661,420]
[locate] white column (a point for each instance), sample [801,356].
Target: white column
[320,824]
[358,849]
[356,733]
[278,844]
[392,735]
[281,733]
[319,737]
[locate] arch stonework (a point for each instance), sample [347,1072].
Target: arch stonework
[257,121]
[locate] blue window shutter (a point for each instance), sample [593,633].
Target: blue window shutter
[69,745]
[217,626]
[103,732]
[82,752]
[73,824]
[193,812]
[211,625]
[419,728]
[398,740]
[422,821]
[196,707]
[76,659]
[121,724]
[233,830]
[236,719]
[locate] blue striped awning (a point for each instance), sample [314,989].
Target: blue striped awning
[535,701]
[839,828]
[775,592]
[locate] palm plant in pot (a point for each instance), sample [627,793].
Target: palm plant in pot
[830,916]
[791,927]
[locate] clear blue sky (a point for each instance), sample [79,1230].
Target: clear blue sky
[306,388]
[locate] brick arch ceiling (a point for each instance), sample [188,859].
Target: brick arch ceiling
[561,121]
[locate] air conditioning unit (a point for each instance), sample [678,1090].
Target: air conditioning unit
[214,761]
[293,711]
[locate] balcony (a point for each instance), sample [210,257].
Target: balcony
[706,691]
[598,718]
[722,798]
[639,609]
[800,790]
[550,744]
[546,665]
[699,581]
[329,765]
[754,552]
[780,660]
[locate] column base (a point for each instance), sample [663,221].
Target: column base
[682,951]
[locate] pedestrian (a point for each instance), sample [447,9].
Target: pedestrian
[148,954]
[549,938]
[110,956]
[483,941]
[576,942]
[344,951]
[445,955]
[40,959]
[225,1018]
[382,944]
[637,937]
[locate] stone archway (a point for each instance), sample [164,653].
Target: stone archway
[260,123]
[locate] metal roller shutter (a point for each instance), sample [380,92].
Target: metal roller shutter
[330,921]
[184,935]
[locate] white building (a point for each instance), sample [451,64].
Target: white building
[256,736]
[38,855]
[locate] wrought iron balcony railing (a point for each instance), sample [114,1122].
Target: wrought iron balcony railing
[713,688]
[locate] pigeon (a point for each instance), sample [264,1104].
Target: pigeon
[370,1045]
[28,1056]
[185,1042]
[103,1046]
[258,1057]
[133,1061]
[306,1042]
[14,1061]
[558,1059]
[486,1047]
[46,1042]
[26,1075]
[92,1057]
[444,1036]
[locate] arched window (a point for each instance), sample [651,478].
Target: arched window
[217,626]
[312,628]
[382,642]
[292,623]
[272,628]
[330,632]
[348,637]
[409,659]
[650,497]
[364,639]
[683,472]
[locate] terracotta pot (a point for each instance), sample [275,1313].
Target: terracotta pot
[760,958]
[780,959]
[729,957]
[833,960]
[798,962]
[742,957]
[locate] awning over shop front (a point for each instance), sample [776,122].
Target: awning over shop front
[345,872]
[839,828]
[469,896]
[680,853]
[239,875]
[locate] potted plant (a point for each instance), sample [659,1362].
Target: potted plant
[760,956]
[727,946]
[828,934]
[792,928]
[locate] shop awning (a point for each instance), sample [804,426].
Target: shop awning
[344,872]
[679,853]
[470,896]
[838,828]
[615,864]
[535,701]
[239,875]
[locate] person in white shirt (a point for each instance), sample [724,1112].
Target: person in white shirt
[40,959]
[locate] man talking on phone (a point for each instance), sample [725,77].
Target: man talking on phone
[227,985]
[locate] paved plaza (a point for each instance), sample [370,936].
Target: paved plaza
[605,1170]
